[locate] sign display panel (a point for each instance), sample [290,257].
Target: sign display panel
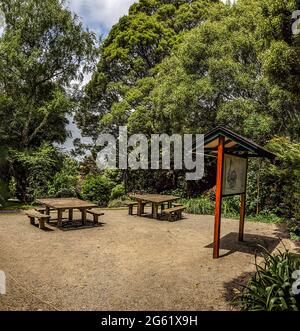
[234,175]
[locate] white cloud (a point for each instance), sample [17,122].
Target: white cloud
[100,14]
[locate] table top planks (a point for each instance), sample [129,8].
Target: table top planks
[67,203]
[154,198]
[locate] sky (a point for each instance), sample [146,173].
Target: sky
[100,15]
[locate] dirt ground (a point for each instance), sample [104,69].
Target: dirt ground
[129,263]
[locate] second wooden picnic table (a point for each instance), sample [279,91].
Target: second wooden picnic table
[60,205]
[155,199]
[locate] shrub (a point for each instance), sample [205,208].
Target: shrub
[201,205]
[270,287]
[33,169]
[97,188]
[66,182]
[117,192]
[274,187]
[231,205]
[118,203]
[64,185]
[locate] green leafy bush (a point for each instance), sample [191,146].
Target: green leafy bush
[66,182]
[33,169]
[117,192]
[97,188]
[64,185]
[271,287]
[231,206]
[273,187]
[201,205]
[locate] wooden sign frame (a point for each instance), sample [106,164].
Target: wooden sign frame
[219,196]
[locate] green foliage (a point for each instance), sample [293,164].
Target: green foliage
[270,288]
[10,205]
[33,170]
[65,183]
[201,205]
[41,50]
[178,192]
[118,203]
[231,206]
[117,192]
[237,68]
[205,205]
[97,188]
[3,193]
[4,190]
[286,175]
[129,57]
[12,188]
[273,188]
[265,217]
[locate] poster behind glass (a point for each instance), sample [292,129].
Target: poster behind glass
[234,175]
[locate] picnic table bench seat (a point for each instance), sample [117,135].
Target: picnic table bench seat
[95,214]
[174,213]
[33,214]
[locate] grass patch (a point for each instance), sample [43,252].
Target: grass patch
[230,209]
[15,206]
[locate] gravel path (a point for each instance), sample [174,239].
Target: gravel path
[129,263]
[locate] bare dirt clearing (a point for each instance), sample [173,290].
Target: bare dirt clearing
[129,263]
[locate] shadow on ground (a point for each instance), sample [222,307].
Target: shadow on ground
[282,232]
[235,286]
[76,225]
[250,245]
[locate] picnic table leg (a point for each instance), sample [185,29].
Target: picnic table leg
[169,204]
[139,208]
[47,213]
[155,210]
[70,214]
[42,223]
[32,220]
[59,218]
[83,215]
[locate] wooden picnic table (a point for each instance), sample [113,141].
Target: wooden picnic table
[61,204]
[155,199]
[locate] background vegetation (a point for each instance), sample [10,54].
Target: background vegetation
[172,66]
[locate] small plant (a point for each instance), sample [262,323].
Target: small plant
[117,192]
[270,289]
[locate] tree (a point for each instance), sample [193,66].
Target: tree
[42,49]
[239,68]
[130,55]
